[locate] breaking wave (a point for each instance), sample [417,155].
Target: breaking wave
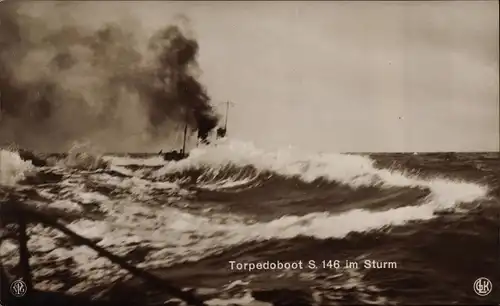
[12,168]
[239,162]
[84,156]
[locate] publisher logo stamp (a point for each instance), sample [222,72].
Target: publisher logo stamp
[18,288]
[483,286]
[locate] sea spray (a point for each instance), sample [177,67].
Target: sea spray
[84,156]
[12,168]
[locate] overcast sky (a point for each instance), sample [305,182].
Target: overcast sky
[345,76]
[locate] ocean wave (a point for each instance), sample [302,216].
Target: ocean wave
[203,233]
[84,156]
[153,210]
[242,162]
[13,168]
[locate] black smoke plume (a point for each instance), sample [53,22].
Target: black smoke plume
[62,82]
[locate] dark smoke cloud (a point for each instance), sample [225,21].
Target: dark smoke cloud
[65,82]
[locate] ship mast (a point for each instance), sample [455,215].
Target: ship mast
[221,132]
[185,134]
[227,114]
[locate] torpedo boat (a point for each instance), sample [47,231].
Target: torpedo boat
[177,155]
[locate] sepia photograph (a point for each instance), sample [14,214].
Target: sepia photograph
[249,153]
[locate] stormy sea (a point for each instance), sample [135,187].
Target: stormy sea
[237,222]
[236,225]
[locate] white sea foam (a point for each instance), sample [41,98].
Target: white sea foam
[246,299]
[227,183]
[287,162]
[12,167]
[83,156]
[124,161]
